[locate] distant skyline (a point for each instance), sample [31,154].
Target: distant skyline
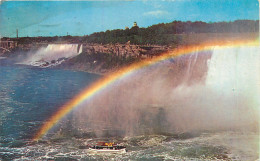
[78,18]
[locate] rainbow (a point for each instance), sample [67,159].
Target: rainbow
[104,82]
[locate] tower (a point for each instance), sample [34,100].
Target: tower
[135,24]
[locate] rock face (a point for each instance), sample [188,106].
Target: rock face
[103,59]
[125,50]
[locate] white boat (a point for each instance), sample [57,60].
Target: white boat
[110,151]
[110,148]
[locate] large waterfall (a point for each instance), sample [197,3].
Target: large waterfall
[53,54]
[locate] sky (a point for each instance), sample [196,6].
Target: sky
[77,18]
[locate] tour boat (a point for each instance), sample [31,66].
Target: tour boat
[103,147]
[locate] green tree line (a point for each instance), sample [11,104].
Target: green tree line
[168,33]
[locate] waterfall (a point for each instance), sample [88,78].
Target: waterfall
[80,48]
[53,54]
[235,72]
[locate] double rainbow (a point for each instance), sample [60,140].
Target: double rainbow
[104,82]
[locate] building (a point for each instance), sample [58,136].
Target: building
[135,24]
[7,45]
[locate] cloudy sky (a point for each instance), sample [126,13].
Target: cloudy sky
[51,18]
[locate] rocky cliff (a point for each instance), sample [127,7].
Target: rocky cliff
[103,59]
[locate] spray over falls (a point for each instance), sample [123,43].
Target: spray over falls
[215,89]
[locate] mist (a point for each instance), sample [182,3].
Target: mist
[209,90]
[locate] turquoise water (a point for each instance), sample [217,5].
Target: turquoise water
[28,97]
